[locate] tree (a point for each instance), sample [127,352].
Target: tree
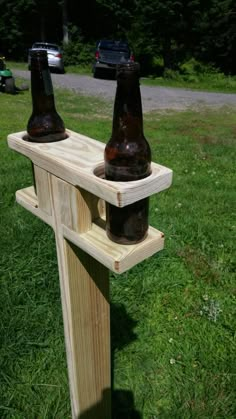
[122,14]
[29,21]
[175,30]
[180,29]
[65,21]
[14,13]
[218,37]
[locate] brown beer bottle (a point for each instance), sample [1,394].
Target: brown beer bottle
[127,157]
[44,125]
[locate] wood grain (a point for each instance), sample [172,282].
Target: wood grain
[26,198]
[42,187]
[118,258]
[84,284]
[78,158]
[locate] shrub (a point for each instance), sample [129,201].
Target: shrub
[77,51]
[192,67]
[171,74]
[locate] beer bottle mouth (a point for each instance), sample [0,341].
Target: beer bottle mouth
[39,53]
[126,69]
[38,59]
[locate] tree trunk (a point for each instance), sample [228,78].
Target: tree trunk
[42,29]
[167,54]
[65,22]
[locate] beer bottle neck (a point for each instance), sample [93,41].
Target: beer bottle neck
[41,89]
[128,118]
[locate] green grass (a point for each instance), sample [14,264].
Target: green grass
[79,69]
[75,69]
[208,82]
[18,65]
[173,316]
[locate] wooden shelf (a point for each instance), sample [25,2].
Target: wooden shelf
[118,258]
[79,161]
[26,198]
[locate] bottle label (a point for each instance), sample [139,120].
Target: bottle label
[47,82]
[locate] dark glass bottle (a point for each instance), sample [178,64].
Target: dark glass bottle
[127,157]
[44,125]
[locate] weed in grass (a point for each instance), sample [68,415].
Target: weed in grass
[199,265]
[211,309]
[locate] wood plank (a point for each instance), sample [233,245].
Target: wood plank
[116,257]
[89,309]
[74,207]
[42,187]
[78,158]
[84,284]
[26,198]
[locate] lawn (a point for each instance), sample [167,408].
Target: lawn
[173,315]
[206,82]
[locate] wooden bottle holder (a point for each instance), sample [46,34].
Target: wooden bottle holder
[70,198]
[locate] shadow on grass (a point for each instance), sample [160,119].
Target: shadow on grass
[123,404]
[122,333]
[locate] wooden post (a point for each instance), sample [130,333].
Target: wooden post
[70,194]
[84,286]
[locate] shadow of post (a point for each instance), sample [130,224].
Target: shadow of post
[122,333]
[123,405]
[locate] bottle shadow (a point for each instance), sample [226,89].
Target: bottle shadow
[123,404]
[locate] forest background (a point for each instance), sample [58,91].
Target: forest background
[167,38]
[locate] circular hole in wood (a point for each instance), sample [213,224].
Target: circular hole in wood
[99,171]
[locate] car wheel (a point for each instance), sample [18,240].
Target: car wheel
[10,85]
[96,73]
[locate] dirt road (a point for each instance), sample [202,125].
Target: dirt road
[152,97]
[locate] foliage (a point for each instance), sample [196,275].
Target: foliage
[77,51]
[12,34]
[174,30]
[212,82]
[194,67]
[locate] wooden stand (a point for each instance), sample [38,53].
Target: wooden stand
[70,198]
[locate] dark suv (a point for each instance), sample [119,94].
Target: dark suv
[109,54]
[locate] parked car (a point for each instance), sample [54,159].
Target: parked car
[110,53]
[54,52]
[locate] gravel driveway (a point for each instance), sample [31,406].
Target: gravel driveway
[152,97]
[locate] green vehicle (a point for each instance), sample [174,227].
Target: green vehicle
[7,82]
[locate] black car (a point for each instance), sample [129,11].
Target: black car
[110,53]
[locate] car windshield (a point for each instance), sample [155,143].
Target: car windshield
[114,45]
[45,46]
